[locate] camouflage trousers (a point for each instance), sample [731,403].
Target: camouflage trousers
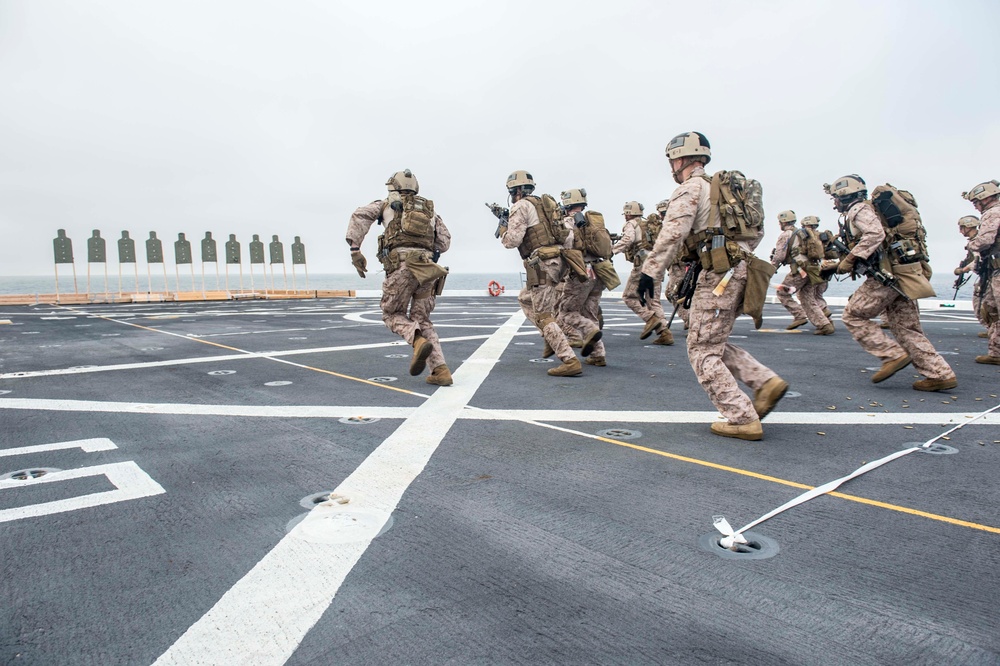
[872,299]
[787,299]
[540,303]
[991,301]
[578,307]
[406,308]
[820,290]
[812,304]
[716,363]
[630,297]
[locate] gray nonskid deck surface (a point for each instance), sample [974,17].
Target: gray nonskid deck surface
[532,535]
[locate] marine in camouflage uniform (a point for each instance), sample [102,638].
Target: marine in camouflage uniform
[808,271]
[411,271]
[968,226]
[635,246]
[579,298]
[793,282]
[545,269]
[986,198]
[716,363]
[850,197]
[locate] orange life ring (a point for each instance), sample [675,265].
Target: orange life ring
[494,288]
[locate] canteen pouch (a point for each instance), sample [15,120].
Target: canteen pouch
[606,273]
[912,281]
[759,273]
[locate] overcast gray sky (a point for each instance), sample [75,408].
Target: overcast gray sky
[283,117]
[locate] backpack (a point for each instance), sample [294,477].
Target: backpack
[650,229]
[550,214]
[905,235]
[593,238]
[413,227]
[737,205]
[814,248]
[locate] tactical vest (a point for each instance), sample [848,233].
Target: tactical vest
[905,237]
[805,242]
[413,227]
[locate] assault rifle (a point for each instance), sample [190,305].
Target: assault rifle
[502,214]
[691,272]
[960,282]
[870,268]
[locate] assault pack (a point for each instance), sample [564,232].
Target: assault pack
[650,229]
[593,238]
[737,205]
[411,226]
[808,243]
[550,214]
[905,236]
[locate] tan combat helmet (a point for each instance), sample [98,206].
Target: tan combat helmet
[575,197]
[810,221]
[990,188]
[968,222]
[689,144]
[786,218]
[520,178]
[661,207]
[633,208]
[402,181]
[845,186]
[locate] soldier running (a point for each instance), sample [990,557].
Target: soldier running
[986,198]
[635,243]
[414,238]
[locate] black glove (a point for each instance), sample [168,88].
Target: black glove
[579,219]
[646,288]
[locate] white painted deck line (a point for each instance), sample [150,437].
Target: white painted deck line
[476,414]
[265,616]
[88,445]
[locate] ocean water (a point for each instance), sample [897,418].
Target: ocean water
[35,284]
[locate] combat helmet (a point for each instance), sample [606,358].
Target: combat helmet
[810,221]
[661,207]
[574,197]
[968,222]
[847,190]
[786,217]
[633,208]
[520,179]
[990,188]
[689,144]
[403,181]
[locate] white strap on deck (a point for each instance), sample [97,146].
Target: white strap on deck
[732,537]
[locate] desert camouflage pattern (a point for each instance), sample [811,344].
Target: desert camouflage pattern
[406,304]
[540,302]
[873,299]
[717,364]
[675,276]
[794,281]
[780,255]
[989,224]
[630,292]
[578,307]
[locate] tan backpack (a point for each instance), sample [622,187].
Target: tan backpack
[737,205]
[905,236]
[550,214]
[413,226]
[593,238]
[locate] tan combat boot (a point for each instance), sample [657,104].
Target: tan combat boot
[824,330]
[666,337]
[599,361]
[588,343]
[988,360]
[575,343]
[942,384]
[440,376]
[422,348]
[795,324]
[890,367]
[568,369]
[750,431]
[982,334]
[768,395]
[652,326]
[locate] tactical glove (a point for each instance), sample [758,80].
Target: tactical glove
[359,261]
[646,288]
[846,264]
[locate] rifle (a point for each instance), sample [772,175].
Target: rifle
[869,268]
[615,237]
[691,272]
[959,283]
[502,214]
